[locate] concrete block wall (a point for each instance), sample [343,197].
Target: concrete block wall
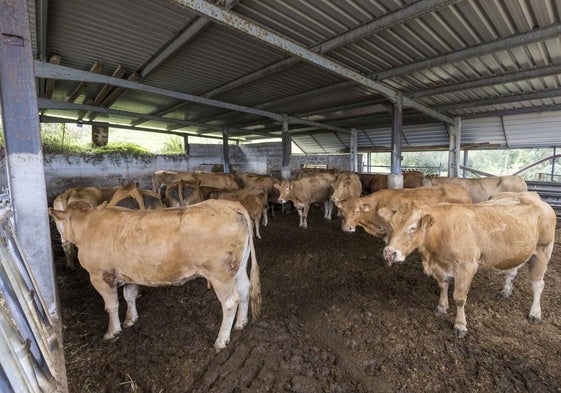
[66,171]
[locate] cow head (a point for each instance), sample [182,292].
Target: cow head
[284,191]
[352,210]
[78,208]
[409,224]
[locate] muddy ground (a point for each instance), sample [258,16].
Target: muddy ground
[334,319]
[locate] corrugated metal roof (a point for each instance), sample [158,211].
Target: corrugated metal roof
[493,58]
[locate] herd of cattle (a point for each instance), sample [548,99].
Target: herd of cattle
[200,224]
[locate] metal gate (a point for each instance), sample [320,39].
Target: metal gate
[27,333]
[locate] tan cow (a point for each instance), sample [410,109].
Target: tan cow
[455,239]
[182,193]
[254,199]
[161,179]
[481,189]
[92,195]
[346,186]
[305,191]
[216,180]
[366,211]
[211,239]
[130,196]
[372,182]
[254,180]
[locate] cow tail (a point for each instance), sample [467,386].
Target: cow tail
[255,291]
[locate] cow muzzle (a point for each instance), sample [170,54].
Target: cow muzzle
[392,256]
[347,228]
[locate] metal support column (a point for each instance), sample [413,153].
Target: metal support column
[225,150]
[395,179]
[455,133]
[186,144]
[466,158]
[25,169]
[286,149]
[354,150]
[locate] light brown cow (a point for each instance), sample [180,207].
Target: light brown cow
[305,191]
[254,199]
[455,239]
[347,185]
[481,189]
[130,196]
[161,179]
[216,180]
[366,211]
[92,195]
[254,180]
[181,193]
[372,182]
[211,239]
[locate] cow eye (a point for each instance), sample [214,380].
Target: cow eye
[412,229]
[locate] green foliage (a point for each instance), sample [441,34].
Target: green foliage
[173,145]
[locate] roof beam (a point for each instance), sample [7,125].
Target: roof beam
[535,95]
[52,119]
[399,16]
[45,70]
[536,35]
[538,72]
[62,105]
[96,68]
[228,18]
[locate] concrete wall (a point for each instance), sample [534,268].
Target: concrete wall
[65,171]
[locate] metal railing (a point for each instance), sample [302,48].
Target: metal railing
[27,335]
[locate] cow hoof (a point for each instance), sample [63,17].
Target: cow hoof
[460,333]
[241,325]
[220,346]
[111,335]
[439,312]
[128,324]
[503,295]
[533,319]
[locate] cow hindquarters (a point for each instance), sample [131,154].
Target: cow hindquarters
[111,300]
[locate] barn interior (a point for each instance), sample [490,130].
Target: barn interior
[331,77]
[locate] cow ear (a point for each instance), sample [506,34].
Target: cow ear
[365,207]
[386,214]
[58,214]
[427,220]
[277,186]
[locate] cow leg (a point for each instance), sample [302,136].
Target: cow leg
[442,308]
[507,289]
[538,265]
[256,221]
[229,298]
[305,215]
[265,216]
[462,281]
[70,254]
[242,286]
[111,300]
[301,214]
[327,207]
[130,292]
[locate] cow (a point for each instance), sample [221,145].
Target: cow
[217,180]
[254,199]
[305,191]
[212,239]
[130,196]
[254,180]
[480,189]
[347,185]
[455,239]
[372,182]
[182,193]
[92,195]
[161,179]
[367,211]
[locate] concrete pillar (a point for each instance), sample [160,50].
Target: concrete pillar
[454,132]
[286,149]
[354,150]
[395,179]
[225,150]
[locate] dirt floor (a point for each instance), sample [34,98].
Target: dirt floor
[334,319]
